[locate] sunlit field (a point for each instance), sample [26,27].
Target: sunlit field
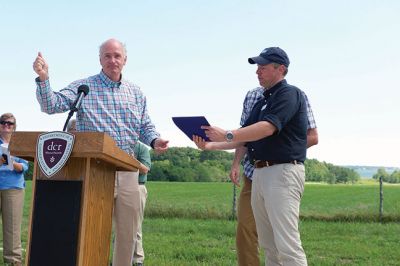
[191,224]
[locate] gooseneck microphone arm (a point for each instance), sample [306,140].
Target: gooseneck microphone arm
[83,90]
[70,114]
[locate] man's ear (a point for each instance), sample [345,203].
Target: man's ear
[282,68]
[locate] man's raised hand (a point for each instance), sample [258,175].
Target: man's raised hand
[41,68]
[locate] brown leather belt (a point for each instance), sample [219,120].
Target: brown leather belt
[261,164]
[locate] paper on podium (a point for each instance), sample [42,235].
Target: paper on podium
[191,125]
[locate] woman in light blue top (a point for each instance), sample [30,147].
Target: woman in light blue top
[12,186]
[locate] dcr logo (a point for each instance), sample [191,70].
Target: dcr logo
[54,147]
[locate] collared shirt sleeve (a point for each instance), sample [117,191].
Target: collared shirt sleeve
[250,100]
[310,115]
[246,109]
[24,163]
[148,131]
[54,102]
[283,107]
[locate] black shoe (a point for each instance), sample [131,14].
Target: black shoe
[139,264]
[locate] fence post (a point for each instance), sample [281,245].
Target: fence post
[380,199]
[234,202]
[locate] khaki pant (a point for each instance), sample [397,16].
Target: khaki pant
[125,217]
[138,253]
[246,232]
[12,204]
[275,198]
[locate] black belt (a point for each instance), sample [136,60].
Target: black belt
[142,183]
[261,164]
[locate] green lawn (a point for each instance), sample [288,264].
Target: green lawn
[350,202]
[357,202]
[212,242]
[188,224]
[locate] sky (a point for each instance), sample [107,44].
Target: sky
[190,59]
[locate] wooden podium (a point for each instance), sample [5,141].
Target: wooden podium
[71,212]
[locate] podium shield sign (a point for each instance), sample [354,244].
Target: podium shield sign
[53,150]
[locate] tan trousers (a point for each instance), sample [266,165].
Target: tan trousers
[138,253]
[246,232]
[125,217]
[12,204]
[275,198]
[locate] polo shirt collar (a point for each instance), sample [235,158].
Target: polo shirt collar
[271,91]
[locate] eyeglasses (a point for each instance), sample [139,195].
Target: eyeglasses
[8,123]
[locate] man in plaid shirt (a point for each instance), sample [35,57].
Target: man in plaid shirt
[117,107]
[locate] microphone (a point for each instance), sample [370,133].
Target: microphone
[83,90]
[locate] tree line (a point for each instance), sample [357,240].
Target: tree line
[394,177]
[326,172]
[190,165]
[193,165]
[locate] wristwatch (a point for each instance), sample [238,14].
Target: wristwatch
[229,136]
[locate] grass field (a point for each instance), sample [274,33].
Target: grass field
[188,224]
[212,242]
[358,202]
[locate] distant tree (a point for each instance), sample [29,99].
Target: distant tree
[352,176]
[392,178]
[216,170]
[326,172]
[381,173]
[342,174]
[395,177]
[177,155]
[190,165]
[204,173]
[386,177]
[316,171]
[160,171]
[215,156]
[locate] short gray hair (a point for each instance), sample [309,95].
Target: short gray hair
[121,43]
[276,65]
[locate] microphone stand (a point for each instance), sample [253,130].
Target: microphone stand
[83,90]
[70,114]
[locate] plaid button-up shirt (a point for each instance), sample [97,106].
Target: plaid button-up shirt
[252,97]
[116,108]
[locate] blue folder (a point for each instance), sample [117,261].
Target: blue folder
[190,125]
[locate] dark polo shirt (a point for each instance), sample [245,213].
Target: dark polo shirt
[283,106]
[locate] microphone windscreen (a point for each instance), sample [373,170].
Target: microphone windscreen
[84,89]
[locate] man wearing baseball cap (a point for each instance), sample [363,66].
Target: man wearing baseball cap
[275,134]
[271,55]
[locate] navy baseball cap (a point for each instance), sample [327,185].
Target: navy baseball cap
[271,55]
